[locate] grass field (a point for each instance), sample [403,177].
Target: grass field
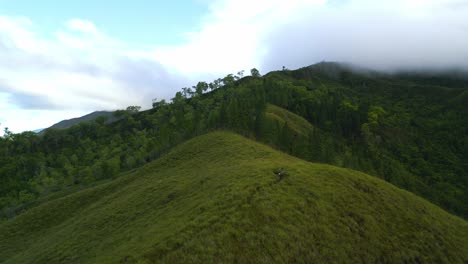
[216,199]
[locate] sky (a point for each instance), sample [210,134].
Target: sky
[64,59]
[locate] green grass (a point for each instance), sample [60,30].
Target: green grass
[215,199]
[295,122]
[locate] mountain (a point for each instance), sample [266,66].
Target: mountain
[38,130]
[217,198]
[86,118]
[162,186]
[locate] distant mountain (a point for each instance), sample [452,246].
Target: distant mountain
[86,118]
[38,130]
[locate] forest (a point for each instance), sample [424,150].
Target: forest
[408,129]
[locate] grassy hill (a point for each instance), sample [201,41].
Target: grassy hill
[216,198]
[296,123]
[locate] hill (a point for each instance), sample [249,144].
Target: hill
[86,118]
[297,124]
[216,198]
[408,129]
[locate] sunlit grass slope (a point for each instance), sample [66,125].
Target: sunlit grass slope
[215,199]
[298,124]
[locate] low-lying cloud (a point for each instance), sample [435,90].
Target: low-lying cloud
[392,36]
[384,35]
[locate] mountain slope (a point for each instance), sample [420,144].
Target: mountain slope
[89,117]
[216,198]
[406,129]
[297,124]
[403,129]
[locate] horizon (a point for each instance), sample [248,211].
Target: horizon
[65,60]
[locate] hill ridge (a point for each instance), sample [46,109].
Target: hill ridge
[216,197]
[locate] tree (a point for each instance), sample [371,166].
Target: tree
[7,134]
[158,104]
[178,98]
[240,74]
[133,109]
[102,120]
[215,84]
[375,116]
[228,80]
[255,73]
[119,113]
[201,88]
[187,92]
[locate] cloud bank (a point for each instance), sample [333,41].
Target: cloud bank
[384,35]
[77,68]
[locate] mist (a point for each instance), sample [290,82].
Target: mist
[402,35]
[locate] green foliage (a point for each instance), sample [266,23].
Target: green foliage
[133,109]
[216,198]
[7,134]
[158,104]
[255,73]
[201,88]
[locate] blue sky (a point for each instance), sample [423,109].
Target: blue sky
[63,59]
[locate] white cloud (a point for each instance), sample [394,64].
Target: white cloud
[76,70]
[83,26]
[378,34]
[17,33]
[240,34]
[232,36]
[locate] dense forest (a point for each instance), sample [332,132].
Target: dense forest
[410,130]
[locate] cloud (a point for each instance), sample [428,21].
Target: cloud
[76,69]
[385,35]
[24,99]
[83,26]
[79,68]
[396,35]
[148,78]
[232,37]
[30,101]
